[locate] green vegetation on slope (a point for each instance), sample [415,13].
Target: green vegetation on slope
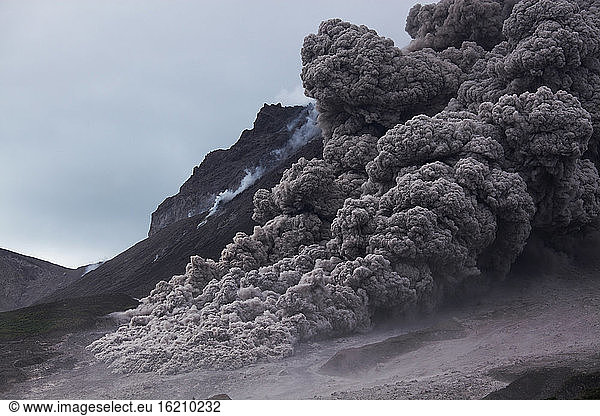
[60,317]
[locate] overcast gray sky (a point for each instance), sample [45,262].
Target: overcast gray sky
[106,106]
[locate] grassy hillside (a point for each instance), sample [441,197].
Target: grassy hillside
[60,317]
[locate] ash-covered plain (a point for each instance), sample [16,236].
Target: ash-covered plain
[441,162]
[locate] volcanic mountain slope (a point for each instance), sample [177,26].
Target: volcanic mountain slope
[277,138]
[269,142]
[24,280]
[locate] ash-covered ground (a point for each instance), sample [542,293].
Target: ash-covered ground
[545,322]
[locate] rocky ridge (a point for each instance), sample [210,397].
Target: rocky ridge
[257,151]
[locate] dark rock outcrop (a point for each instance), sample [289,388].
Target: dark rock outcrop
[561,383]
[221,396]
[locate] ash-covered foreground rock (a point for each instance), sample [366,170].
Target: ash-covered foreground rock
[438,164]
[554,383]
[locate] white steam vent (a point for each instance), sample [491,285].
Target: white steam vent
[305,129]
[91,267]
[251,176]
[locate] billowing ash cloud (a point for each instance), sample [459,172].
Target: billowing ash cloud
[439,162]
[451,22]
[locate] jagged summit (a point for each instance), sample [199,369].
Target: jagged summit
[266,145]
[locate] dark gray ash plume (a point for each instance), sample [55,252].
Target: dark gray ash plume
[449,23]
[439,162]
